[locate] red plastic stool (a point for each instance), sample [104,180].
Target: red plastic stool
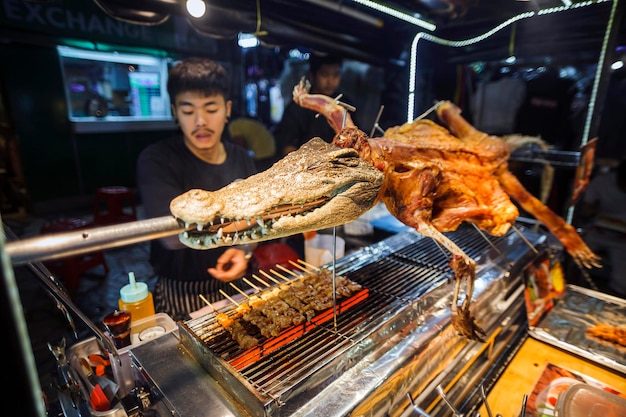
[70,269]
[114,204]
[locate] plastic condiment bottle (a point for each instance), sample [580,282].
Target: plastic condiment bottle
[136,298]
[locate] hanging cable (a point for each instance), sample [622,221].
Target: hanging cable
[258,31]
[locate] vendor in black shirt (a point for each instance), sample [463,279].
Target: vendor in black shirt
[199,91]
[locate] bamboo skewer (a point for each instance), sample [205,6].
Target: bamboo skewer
[279,275]
[286,270]
[207,302]
[247,281]
[229,297]
[260,280]
[239,290]
[271,278]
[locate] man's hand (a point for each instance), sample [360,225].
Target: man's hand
[230,266]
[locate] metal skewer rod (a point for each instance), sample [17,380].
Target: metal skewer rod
[521,235]
[346,106]
[59,245]
[376,125]
[334,278]
[415,407]
[448,403]
[427,112]
[498,251]
[445,253]
[524,401]
[482,393]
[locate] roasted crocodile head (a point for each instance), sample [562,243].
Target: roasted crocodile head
[315,187]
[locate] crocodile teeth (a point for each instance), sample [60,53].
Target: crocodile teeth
[260,221]
[219,233]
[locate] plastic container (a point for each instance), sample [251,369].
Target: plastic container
[136,298]
[584,400]
[318,251]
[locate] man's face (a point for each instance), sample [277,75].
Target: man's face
[326,80]
[201,118]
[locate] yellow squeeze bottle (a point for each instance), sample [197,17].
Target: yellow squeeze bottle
[136,298]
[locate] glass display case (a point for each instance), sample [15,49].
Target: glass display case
[110,91]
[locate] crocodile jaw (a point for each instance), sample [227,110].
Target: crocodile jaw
[318,186]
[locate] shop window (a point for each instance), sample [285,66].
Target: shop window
[109,91]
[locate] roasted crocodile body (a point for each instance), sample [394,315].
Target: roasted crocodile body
[318,186]
[435,180]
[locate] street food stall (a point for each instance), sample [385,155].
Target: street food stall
[385,348]
[371,333]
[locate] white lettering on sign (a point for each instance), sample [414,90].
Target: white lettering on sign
[38,14]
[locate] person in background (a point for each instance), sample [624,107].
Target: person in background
[603,208]
[298,125]
[198,157]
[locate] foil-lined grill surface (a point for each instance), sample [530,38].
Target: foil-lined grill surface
[403,309]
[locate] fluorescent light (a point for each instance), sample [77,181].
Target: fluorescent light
[447,42]
[196,8]
[476,39]
[247,40]
[123,58]
[397,14]
[338,7]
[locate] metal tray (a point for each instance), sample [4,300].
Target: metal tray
[580,308]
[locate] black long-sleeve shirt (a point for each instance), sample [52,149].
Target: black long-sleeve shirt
[167,169]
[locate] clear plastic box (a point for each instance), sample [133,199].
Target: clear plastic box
[584,400]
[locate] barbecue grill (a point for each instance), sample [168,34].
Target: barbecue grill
[385,350]
[382,351]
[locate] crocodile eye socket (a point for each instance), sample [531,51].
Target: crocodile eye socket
[348,162]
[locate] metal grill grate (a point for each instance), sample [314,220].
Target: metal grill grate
[391,281]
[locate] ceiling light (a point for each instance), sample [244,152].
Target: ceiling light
[617,65]
[397,14]
[247,40]
[196,8]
